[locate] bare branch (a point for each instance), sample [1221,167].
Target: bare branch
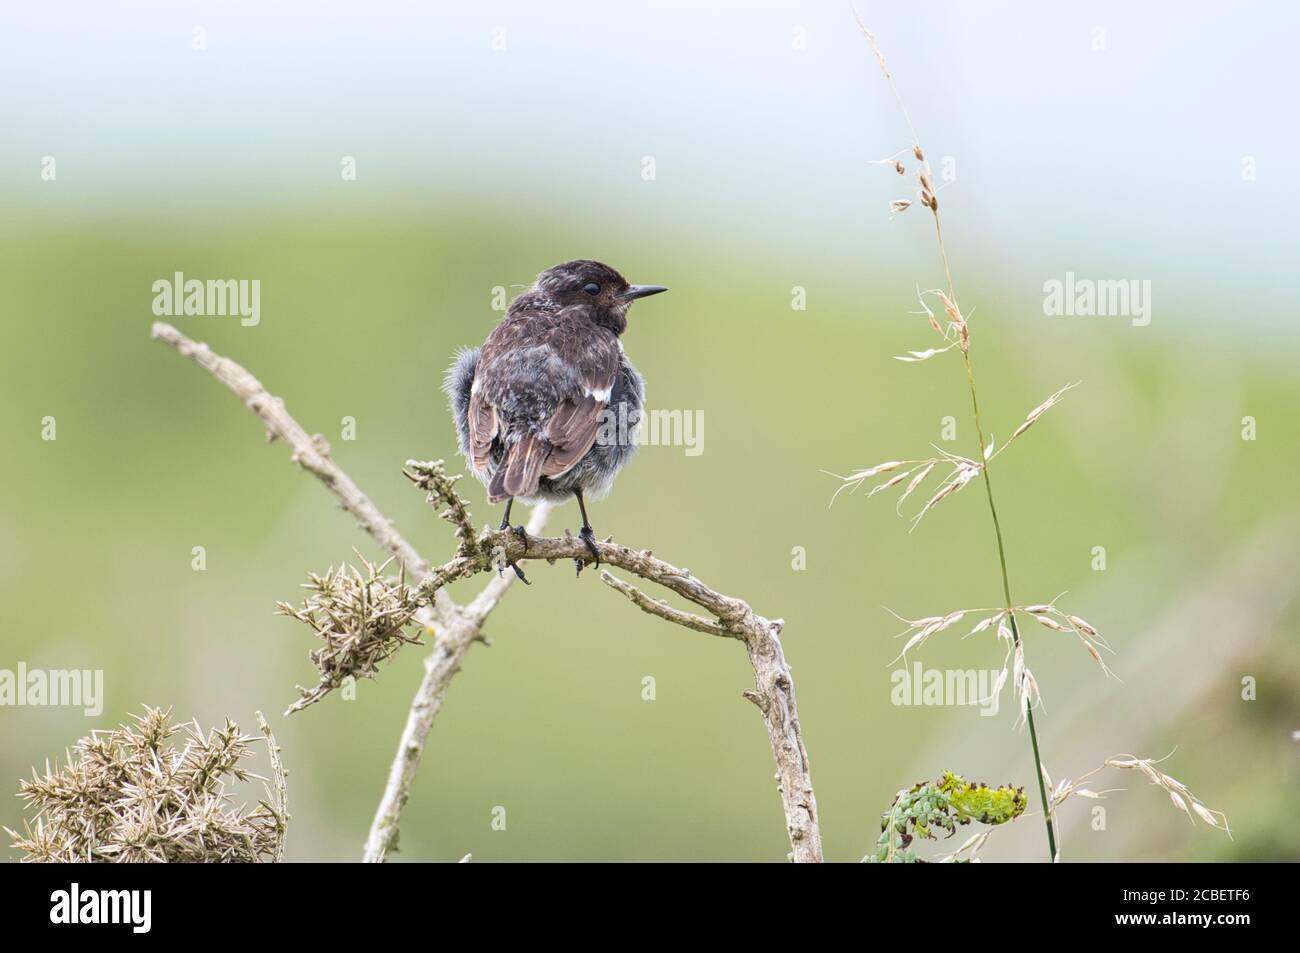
[310,452]
[664,610]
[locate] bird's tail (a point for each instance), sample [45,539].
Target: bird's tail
[520,469]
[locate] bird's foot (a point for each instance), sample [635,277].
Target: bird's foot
[518,572]
[519,530]
[522,535]
[588,536]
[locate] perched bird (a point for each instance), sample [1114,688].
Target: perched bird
[548,407]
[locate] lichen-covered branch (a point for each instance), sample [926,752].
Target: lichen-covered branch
[773,692]
[449,647]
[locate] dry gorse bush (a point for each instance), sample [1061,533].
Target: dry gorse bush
[137,794]
[360,616]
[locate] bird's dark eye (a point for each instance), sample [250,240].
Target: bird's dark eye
[591,288]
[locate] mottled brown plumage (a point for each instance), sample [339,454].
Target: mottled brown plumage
[571,361]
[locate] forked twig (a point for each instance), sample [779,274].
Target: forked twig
[458,627]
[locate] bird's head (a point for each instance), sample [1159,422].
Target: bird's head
[595,288]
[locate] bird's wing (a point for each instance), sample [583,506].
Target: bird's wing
[576,420]
[482,430]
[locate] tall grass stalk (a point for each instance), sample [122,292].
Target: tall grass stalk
[929,200]
[916,810]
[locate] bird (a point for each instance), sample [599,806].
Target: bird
[549,406]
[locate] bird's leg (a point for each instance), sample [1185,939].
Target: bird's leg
[517,530]
[523,536]
[586,534]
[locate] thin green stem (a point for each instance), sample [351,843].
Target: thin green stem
[963,338]
[1006,592]
[997,531]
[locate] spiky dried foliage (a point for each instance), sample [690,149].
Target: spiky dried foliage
[360,616]
[137,794]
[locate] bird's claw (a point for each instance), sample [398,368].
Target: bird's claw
[522,535]
[588,536]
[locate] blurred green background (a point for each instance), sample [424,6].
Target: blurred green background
[369,286]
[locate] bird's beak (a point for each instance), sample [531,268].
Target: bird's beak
[641,291]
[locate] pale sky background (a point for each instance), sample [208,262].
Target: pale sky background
[1119,162]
